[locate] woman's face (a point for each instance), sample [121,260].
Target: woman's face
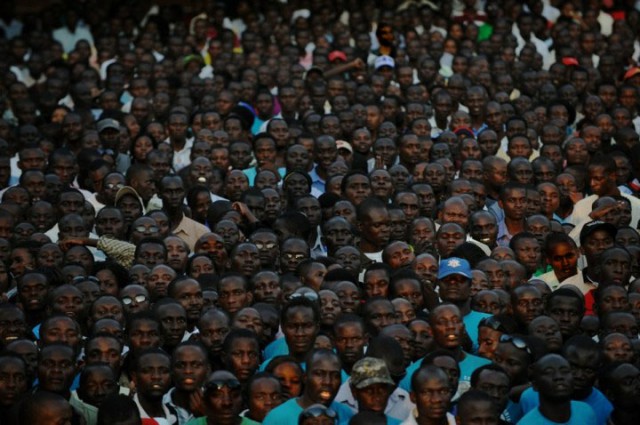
[141,148]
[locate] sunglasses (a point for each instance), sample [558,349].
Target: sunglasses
[317,411]
[137,298]
[219,384]
[311,296]
[517,342]
[493,323]
[80,279]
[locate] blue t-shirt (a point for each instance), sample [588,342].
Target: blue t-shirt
[289,411]
[581,414]
[530,399]
[275,348]
[467,366]
[471,322]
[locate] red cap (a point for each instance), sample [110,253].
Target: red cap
[570,61]
[632,72]
[337,55]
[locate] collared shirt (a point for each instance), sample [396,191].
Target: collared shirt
[316,181]
[170,417]
[190,231]
[184,415]
[182,158]
[504,237]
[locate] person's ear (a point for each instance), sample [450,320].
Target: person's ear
[412,396]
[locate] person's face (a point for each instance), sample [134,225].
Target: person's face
[56,369]
[514,204]
[567,313]
[213,331]
[99,384]
[375,227]
[513,360]
[449,237]
[110,223]
[292,253]
[455,288]
[104,350]
[487,302]
[267,288]
[299,329]
[265,395]
[563,260]
[173,323]
[596,243]
[547,330]
[447,328]
[357,189]
[107,307]
[349,296]
[484,229]
[488,340]
[553,376]
[12,325]
[527,305]
[14,382]
[329,307]
[177,253]
[69,301]
[322,380]
[189,294]
[158,281]
[144,334]
[617,348]
[233,295]
[432,397]
[350,341]
[615,267]
[151,254]
[243,358]
[376,283]
[153,375]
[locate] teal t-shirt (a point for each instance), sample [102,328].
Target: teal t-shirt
[289,411]
[581,414]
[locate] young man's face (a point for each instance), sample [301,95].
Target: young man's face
[564,260]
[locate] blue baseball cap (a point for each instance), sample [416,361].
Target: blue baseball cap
[454,265]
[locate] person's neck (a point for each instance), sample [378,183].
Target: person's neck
[464,306]
[181,398]
[175,217]
[304,401]
[556,411]
[321,172]
[614,191]
[368,247]
[442,121]
[153,408]
[455,352]
[514,226]
[178,144]
[423,420]
[477,121]
[408,166]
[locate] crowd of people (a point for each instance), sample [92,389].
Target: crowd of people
[328,212]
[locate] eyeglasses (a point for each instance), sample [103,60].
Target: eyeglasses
[114,186]
[265,245]
[218,384]
[317,411]
[143,229]
[290,256]
[311,296]
[137,298]
[517,342]
[80,279]
[493,323]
